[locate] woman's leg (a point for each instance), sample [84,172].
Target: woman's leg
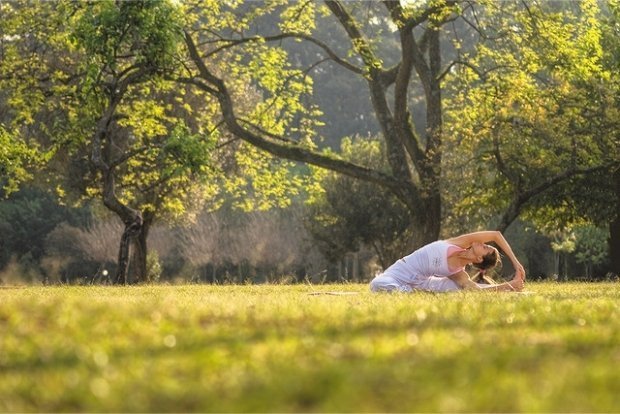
[438,284]
[384,283]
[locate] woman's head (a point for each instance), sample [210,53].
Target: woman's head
[487,256]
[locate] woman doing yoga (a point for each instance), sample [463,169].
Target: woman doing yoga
[440,266]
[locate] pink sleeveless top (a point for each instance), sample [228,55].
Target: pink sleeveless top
[427,261]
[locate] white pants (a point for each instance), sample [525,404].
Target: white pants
[385,283]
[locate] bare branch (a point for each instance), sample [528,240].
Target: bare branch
[501,164]
[196,82]
[127,155]
[230,141]
[235,42]
[477,26]
[481,74]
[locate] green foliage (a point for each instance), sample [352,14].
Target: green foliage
[16,159]
[26,218]
[611,33]
[540,105]
[30,46]
[153,267]
[562,241]
[272,94]
[110,33]
[261,181]
[258,69]
[190,151]
[161,153]
[344,213]
[171,172]
[24,56]
[174,132]
[164,143]
[582,241]
[547,102]
[591,245]
[279,349]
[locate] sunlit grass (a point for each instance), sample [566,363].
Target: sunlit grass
[279,349]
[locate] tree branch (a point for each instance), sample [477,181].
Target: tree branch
[102,129]
[264,132]
[403,75]
[481,74]
[127,155]
[195,82]
[515,207]
[413,22]
[402,81]
[235,42]
[282,149]
[360,44]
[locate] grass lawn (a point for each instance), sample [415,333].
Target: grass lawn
[279,349]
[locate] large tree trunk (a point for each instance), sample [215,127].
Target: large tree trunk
[430,170]
[427,223]
[132,229]
[132,219]
[138,271]
[103,160]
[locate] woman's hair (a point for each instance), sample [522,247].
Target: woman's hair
[489,261]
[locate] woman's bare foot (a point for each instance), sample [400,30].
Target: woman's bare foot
[517,284]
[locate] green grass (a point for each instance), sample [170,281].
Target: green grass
[279,349]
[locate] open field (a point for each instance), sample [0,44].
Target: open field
[279,349]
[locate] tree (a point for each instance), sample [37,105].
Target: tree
[415,161]
[97,77]
[99,69]
[562,242]
[122,131]
[611,59]
[561,55]
[590,249]
[533,118]
[146,157]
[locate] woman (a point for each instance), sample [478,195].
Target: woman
[440,266]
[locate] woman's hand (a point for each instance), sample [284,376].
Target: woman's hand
[520,271]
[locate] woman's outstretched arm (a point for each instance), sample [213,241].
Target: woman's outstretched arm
[464,282]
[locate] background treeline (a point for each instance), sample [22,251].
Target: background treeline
[46,242]
[300,140]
